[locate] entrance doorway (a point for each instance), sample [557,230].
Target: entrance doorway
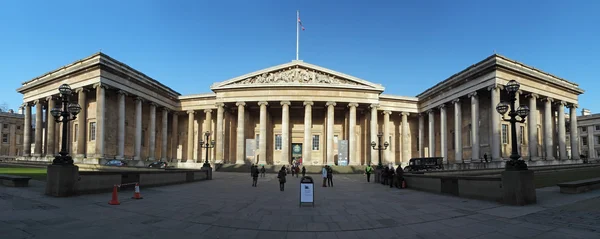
[296,153]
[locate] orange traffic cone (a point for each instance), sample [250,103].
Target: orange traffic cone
[136,194]
[115,197]
[403,184]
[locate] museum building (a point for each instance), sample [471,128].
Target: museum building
[298,111]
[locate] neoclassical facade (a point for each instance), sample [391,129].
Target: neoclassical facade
[299,111]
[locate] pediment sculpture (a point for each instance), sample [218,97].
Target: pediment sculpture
[295,75]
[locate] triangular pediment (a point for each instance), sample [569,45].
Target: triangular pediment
[298,74]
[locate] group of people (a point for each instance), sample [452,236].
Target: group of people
[296,170]
[254,172]
[389,176]
[327,173]
[281,175]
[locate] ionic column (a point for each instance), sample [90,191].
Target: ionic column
[532,127]
[27,130]
[208,127]
[431,133]
[285,132]
[373,129]
[444,133]
[562,132]
[421,135]
[220,133]
[262,147]
[330,116]
[165,129]
[100,119]
[121,129]
[548,129]
[138,129]
[51,125]
[386,136]
[307,147]
[458,154]
[82,122]
[351,134]
[175,137]
[190,137]
[475,126]
[495,94]
[241,140]
[405,129]
[152,133]
[37,150]
[574,131]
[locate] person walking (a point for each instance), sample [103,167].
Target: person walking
[324,175]
[262,171]
[298,170]
[293,170]
[329,176]
[254,174]
[368,172]
[391,176]
[303,171]
[281,176]
[399,176]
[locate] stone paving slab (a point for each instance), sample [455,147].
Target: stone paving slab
[228,207]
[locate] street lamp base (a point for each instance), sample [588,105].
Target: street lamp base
[62,160]
[515,165]
[206,165]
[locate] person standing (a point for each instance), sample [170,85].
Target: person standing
[298,170]
[254,175]
[303,171]
[368,172]
[324,175]
[399,176]
[384,175]
[391,176]
[293,170]
[262,171]
[329,176]
[281,176]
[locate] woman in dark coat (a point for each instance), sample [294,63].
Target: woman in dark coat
[254,173]
[281,176]
[303,171]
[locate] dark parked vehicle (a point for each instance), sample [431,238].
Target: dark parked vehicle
[418,164]
[159,164]
[116,162]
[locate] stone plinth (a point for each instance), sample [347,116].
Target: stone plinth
[209,172]
[61,180]
[518,187]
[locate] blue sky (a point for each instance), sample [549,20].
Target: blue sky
[407,46]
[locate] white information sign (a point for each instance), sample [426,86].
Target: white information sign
[307,193]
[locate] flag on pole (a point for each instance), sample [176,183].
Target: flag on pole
[300,22]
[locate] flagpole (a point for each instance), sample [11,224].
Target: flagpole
[297,33]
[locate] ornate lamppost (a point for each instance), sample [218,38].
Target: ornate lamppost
[379,148]
[512,87]
[68,111]
[207,144]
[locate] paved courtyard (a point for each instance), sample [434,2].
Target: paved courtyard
[228,207]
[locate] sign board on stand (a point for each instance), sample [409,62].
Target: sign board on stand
[307,191]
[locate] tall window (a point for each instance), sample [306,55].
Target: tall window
[521,134]
[5,126]
[5,138]
[75,132]
[315,142]
[143,137]
[504,133]
[453,134]
[597,139]
[597,127]
[584,129]
[417,144]
[92,135]
[277,142]
[470,136]
[584,140]
[257,141]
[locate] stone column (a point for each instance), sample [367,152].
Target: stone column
[219,146]
[532,127]
[82,122]
[405,129]
[421,135]
[475,126]
[285,132]
[443,133]
[351,134]
[175,137]
[431,132]
[152,133]
[262,147]
[241,139]
[39,124]
[100,120]
[458,153]
[330,122]
[574,131]
[190,137]
[495,145]
[562,132]
[548,141]
[307,147]
[165,132]
[208,127]
[373,129]
[51,125]
[121,138]
[27,130]
[386,137]
[591,141]
[138,129]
